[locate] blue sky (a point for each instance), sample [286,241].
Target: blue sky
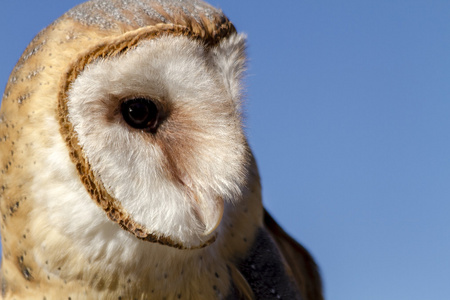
[348,114]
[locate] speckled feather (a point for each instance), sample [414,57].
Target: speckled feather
[251,258]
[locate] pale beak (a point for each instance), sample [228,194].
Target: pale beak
[213,215]
[209,211]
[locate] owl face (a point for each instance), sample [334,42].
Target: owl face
[160,133]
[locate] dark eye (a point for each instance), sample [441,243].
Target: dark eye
[140,113]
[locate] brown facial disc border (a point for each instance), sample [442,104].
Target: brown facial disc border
[107,49]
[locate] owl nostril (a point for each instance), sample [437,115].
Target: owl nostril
[140,113]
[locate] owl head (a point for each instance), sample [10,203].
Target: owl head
[133,112]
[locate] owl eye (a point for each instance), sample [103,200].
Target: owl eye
[140,113]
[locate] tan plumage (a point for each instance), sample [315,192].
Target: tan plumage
[93,208]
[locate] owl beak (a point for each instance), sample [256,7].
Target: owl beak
[214,216]
[209,212]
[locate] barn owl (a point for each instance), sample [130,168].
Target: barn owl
[125,170]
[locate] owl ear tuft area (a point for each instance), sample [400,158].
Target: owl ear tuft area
[231,60]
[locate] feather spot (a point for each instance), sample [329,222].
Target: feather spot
[26,272]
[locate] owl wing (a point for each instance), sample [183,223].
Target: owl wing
[298,260]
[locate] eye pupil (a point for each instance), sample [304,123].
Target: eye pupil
[140,113]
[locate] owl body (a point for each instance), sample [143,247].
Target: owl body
[125,169]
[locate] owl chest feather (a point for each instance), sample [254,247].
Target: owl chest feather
[125,268]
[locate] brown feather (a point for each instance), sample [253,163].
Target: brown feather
[243,288]
[301,264]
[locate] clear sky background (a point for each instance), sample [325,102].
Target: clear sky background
[348,114]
